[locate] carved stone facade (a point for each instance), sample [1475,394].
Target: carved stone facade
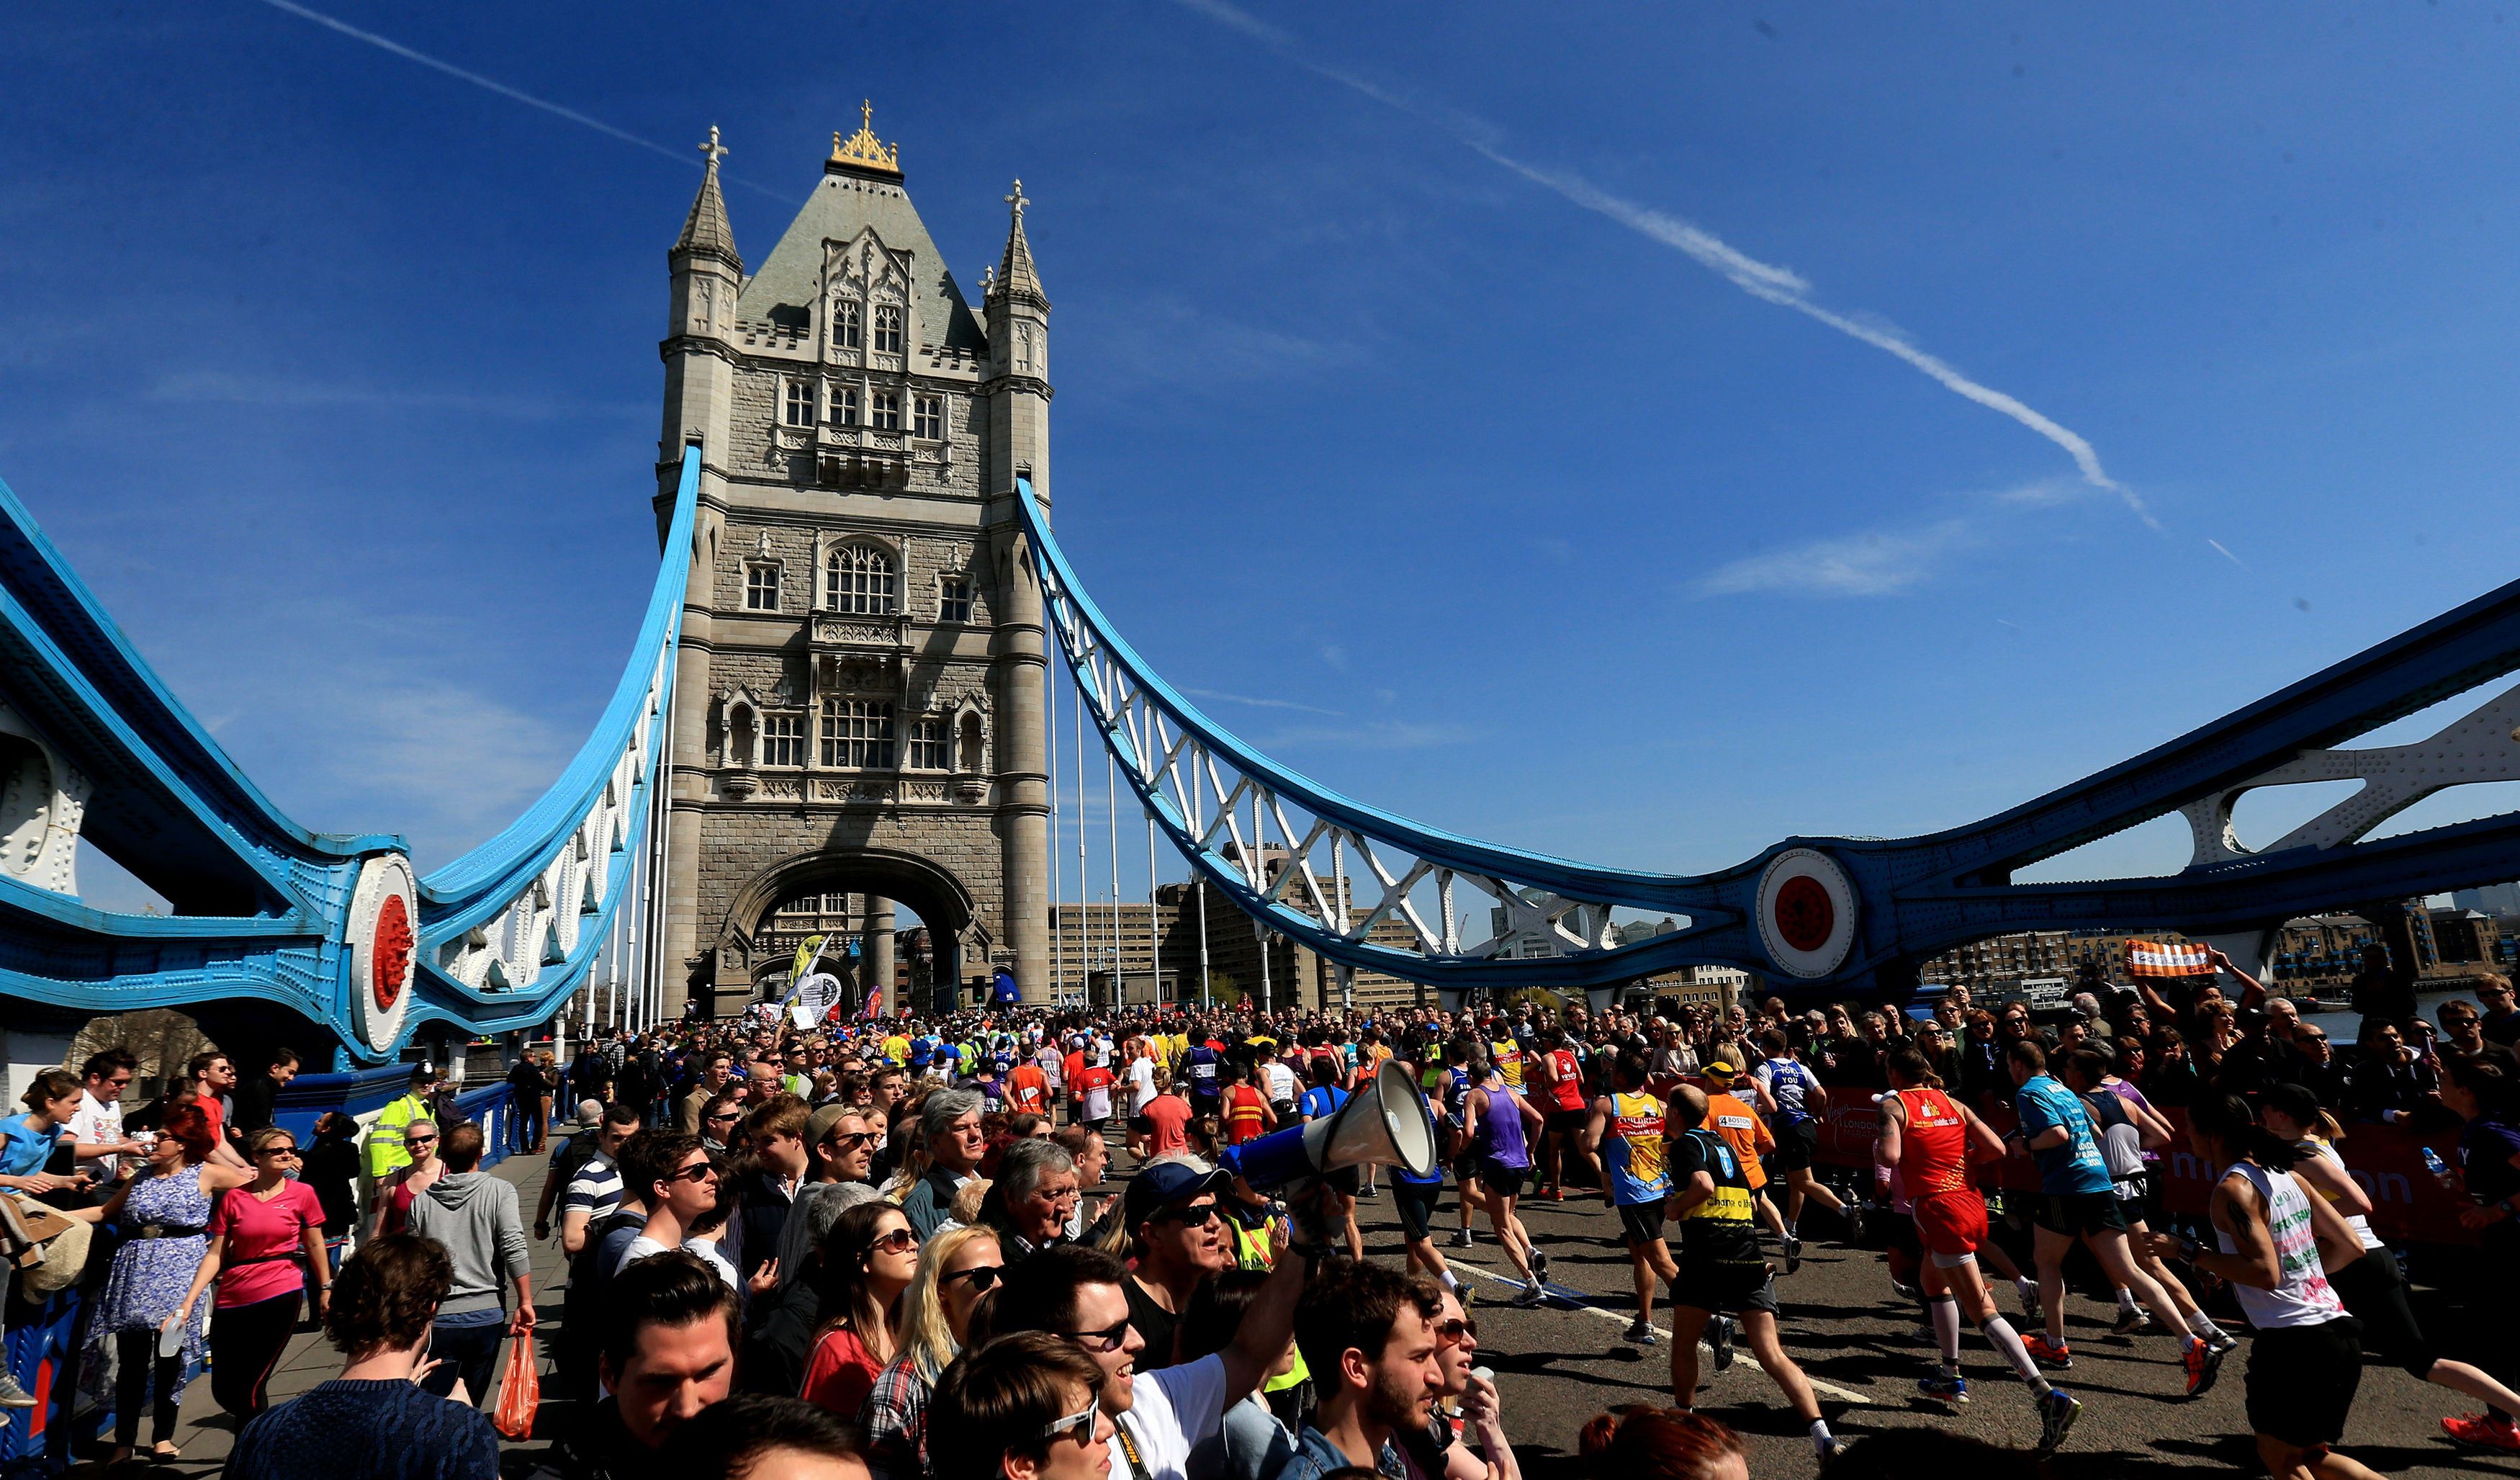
[858,705]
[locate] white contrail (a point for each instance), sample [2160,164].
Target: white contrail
[491,85]
[1765,281]
[2227,555]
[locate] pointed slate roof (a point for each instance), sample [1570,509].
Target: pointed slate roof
[705,231]
[1015,274]
[852,197]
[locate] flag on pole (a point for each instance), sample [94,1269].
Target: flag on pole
[2162,958]
[806,955]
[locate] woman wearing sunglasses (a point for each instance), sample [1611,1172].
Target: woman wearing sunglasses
[957,1268]
[409,1181]
[258,1234]
[868,1261]
[1024,1407]
[1466,1406]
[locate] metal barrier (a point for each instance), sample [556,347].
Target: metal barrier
[43,1348]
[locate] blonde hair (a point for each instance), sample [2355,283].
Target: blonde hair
[966,1200]
[926,1336]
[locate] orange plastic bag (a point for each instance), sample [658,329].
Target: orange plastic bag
[520,1391]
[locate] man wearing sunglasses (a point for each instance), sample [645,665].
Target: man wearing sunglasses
[1177,1238]
[1022,1407]
[1080,1294]
[673,1176]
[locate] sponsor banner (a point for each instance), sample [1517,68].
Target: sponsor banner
[2159,958]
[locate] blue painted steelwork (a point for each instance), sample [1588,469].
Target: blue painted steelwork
[1895,901]
[262,907]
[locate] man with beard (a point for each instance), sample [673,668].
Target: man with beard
[1366,1332]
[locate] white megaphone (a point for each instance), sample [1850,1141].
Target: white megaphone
[1382,1125]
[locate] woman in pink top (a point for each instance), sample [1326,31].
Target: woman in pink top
[264,1238]
[868,1259]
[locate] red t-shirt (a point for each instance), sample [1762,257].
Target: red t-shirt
[840,1374]
[1070,1067]
[255,1232]
[1168,1122]
[1245,1115]
[1091,1079]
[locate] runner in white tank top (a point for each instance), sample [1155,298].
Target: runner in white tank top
[2278,1241]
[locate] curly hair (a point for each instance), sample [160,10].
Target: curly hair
[386,1294]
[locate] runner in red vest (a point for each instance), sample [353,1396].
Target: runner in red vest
[1925,1137]
[1558,1083]
[1248,1116]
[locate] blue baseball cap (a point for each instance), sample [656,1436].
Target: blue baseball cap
[1165,1183]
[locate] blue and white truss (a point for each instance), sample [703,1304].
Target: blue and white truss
[1356,884]
[336,928]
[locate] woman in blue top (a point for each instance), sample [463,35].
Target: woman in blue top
[1494,1120]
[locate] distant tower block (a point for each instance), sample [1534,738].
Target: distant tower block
[859,706]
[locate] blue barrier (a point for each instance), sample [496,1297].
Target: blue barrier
[43,1348]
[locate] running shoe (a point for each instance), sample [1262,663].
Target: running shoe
[1555,1194]
[2133,1321]
[2484,1431]
[2203,1364]
[13,1396]
[1539,1266]
[1367,1193]
[2060,1356]
[1952,1390]
[1794,1255]
[1905,1292]
[1530,1296]
[1829,1449]
[1641,1332]
[1721,1339]
[2224,1342]
[1462,1238]
[2056,1414]
[2032,1311]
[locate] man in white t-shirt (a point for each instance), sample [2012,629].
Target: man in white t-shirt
[97,1125]
[679,1185]
[1079,1292]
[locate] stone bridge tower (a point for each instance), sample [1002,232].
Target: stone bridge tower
[859,705]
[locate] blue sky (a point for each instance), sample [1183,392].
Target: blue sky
[1637,435]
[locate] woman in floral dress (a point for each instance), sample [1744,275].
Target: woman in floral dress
[164,1218]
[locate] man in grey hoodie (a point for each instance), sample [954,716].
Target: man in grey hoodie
[475,1216]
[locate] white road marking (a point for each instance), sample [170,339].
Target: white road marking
[1458,1262]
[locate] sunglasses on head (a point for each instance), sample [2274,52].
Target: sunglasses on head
[981,1276]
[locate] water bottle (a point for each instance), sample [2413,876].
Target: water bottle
[2440,1169]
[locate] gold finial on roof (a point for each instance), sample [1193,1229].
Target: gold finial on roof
[863,148]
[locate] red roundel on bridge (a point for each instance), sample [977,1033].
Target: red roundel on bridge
[1804,914]
[389,951]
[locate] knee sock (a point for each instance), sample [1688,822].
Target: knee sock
[1946,1312]
[2007,1342]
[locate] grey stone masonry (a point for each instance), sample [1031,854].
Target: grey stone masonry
[859,695]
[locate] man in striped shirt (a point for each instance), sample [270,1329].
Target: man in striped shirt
[594,1190]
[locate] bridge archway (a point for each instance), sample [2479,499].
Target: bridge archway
[927,890]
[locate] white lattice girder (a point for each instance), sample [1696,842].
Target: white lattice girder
[2483,746]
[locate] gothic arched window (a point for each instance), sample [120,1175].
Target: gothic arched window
[844,323]
[860,580]
[888,329]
